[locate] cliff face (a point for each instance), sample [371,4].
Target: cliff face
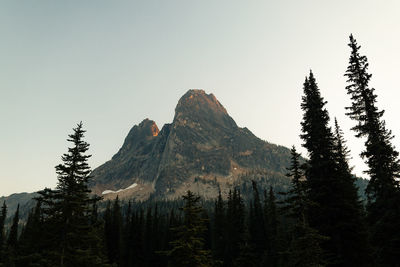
[202,149]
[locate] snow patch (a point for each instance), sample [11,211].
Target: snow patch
[108,192]
[119,190]
[131,186]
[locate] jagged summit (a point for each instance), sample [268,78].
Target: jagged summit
[146,130]
[203,143]
[198,109]
[197,100]
[149,127]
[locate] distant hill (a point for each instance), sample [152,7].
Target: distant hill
[25,201]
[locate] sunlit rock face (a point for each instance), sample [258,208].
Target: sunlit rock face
[202,150]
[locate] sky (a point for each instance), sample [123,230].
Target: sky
[111,64]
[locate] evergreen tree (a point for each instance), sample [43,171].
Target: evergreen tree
[152,236]
[335,212]
[236,236]
[12,240]
[139,229]
[257,228]
[353,226]
[3,217]
[381,157]
[304,246]
[67,209]
[296,202]
[31,242]
[127,237]
[271,224]
[108,232]
[116,228]
[188,248]
[219,228]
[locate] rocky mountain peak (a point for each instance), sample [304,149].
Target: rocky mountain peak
[197,100]
[202,150]
[149,127]
[196,107]
[146,130]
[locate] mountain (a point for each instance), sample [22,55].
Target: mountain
[24,200]
[203,150]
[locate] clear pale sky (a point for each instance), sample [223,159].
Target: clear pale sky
[113,63]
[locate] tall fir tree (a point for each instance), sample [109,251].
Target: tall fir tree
[257,227]
[304,247]
[354,224]
[67,209]
[235,227]
[11,253]
[331,188]
[30,241]
[12,240]
[3,217]
[296,202]
[188,248]
[219,228]
[113,228]
[381,157]
[271,228]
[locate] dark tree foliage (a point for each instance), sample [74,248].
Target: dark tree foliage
[113,228]
[235,227]
[381,157]
[3,217]
[271,225]
[219,237]
[31,242]
[67,213]
[296,201]
[257,228]
[353,226]
[188,248]
[127,237]
[12,241]
[336,211]
[304,242]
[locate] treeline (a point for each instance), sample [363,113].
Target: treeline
[190,232]
[225,235]
[319,221]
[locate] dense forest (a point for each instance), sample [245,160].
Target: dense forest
[319,221]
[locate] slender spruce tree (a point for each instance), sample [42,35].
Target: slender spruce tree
[381,157]
[335,210]
[219,228]
[11,252]
[30,241]
[67,209]
[295,203]
[271,228]
[188,248]
[3,217]
[12,240]
[235,227]
[354,224]
[257,228]
[304,247]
